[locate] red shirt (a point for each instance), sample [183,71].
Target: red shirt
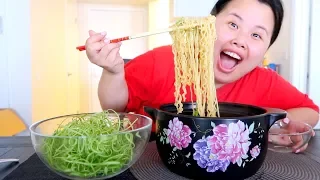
[150,80]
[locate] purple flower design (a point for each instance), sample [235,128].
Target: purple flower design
[205,159]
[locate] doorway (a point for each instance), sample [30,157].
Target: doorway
[117,21]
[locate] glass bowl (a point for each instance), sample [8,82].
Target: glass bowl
[289,137]
[71,153]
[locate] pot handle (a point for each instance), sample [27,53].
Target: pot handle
[275,115]
[151,111]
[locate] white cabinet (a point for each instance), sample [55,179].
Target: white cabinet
[193,7]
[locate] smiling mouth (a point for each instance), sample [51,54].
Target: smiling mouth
[228,61]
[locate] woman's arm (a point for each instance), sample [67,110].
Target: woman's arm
[113,91]
[306,115]
[282,94]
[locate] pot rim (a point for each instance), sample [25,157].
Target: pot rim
[266,113]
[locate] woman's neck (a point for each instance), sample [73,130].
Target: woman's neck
[218,85]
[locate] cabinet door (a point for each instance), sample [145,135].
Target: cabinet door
[4,94]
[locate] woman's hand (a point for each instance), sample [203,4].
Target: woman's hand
[103,53]
[295,142]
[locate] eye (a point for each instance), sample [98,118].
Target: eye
[255,35]
[233,25]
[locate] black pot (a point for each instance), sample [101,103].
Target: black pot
[231,146]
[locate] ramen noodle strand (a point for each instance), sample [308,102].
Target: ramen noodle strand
[193,50]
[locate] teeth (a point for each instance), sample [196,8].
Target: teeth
[234,55]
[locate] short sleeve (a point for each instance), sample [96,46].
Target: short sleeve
[284,95]
[139,77]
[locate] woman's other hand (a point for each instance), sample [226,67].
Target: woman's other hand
[296,141]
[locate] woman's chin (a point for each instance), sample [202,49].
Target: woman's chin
[223,78]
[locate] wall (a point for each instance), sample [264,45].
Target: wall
[119,2]
[159,18]
[32,58]
[314,73]
[49,82]
[299,55]
[279,52]
[72,56]
[4,90]
[16,57]
[193,8]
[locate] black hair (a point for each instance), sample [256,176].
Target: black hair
[275,5]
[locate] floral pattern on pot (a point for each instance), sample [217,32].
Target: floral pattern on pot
[228,144]
[178,134]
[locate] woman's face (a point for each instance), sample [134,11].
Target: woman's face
[244,30]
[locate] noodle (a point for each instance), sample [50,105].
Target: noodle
[193,50]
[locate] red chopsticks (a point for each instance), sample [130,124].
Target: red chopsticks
[82,48]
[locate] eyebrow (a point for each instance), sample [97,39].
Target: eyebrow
[240,18]
[236,15]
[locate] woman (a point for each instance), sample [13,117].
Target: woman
[245,30]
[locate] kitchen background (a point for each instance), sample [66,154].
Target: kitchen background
[42,75]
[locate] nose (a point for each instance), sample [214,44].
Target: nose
[239,42]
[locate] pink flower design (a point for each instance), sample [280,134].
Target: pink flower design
[255,151]
[230,143]
[178,134]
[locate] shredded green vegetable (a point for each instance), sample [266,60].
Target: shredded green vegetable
[195,112]
[91,155]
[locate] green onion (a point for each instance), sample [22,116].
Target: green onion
[83,151]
